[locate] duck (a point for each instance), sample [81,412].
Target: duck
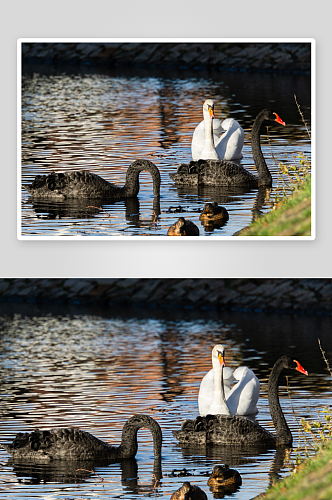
[206,143]
[238,400]
[227,173]
[60,186]
[237,430]
[223,477]
[183,227]
[212,214]
[75,444]
[189,492]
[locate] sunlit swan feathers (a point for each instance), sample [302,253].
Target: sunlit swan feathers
[237,430]
[241,399]
[74,444]
[207,143]
[60,186]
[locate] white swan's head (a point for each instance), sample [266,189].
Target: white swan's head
[208,108]
[218,354]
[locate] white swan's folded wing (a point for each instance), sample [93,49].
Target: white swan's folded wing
[229,145]
[242,399]
[205,394]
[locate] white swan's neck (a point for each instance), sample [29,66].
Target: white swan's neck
[218,404]
[209,151]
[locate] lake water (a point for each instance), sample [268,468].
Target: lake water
[102,120]
[95,368]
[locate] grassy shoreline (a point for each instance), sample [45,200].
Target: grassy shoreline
[290,217]
[311,481]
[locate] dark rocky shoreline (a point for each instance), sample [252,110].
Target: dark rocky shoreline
[291,57]
[289,295]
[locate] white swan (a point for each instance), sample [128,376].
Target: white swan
[240,400]
[206,143]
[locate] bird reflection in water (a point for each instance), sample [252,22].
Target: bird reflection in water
[83,209]
[69,472]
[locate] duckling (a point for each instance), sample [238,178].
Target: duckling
[224,477]
[213,214]
[189,491]
[183,227]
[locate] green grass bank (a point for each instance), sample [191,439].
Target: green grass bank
[312,481]
[290,217]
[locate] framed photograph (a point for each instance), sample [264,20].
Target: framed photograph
[152,138]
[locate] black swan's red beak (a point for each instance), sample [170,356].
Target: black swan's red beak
[300,368]
[279,120]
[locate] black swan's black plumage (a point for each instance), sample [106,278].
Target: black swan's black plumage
[82,184]
[74,444]
[227,173]
[237,430]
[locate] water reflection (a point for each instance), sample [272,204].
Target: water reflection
[102,122]
[86,209]
[93,371]
[76,472]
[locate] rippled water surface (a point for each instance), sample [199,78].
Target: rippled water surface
[103,121]
[93,370]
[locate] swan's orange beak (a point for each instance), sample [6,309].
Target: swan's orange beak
[300,368]
[221,359]
[211,112]
[279,120]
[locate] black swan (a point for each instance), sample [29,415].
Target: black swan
[189,492]
[213,214]
[183,227]
[74,444]
[238,400]
[227,173]
[206,143]
[60,186]
[240,431]
[223,476]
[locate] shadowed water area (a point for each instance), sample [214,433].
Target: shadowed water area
[93,369]
[102,120]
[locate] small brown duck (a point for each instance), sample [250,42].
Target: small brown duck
[224,477]
[183,227]
[189,492]
[213,214]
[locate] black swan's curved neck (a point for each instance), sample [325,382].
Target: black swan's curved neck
[264,176]
[128,447]
[283,433]
[131,187]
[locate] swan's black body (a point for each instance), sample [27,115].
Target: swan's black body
[74,444]
[81,184]
[239,431]
[227,173]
